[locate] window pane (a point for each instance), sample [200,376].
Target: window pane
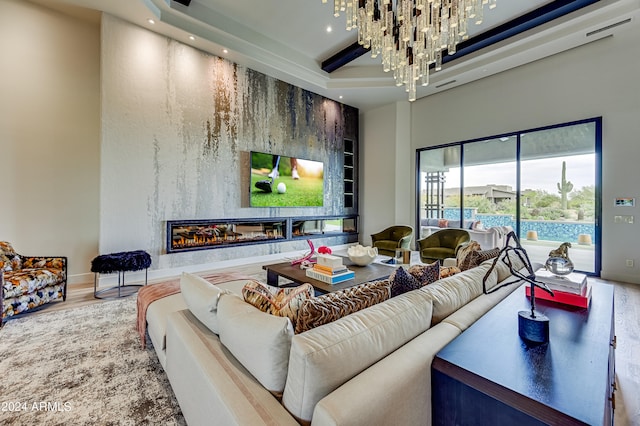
[490,182]
[439,170]
[558,201]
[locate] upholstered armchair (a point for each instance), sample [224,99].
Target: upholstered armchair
[28,282]
[388,240]
[442,244]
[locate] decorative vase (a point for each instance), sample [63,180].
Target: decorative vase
[362,256]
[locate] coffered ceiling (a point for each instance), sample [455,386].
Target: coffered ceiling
[288,39]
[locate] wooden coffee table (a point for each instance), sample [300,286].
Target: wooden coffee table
[372,272]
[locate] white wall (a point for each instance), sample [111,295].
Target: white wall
[377,159]
[599,79]
[49,134]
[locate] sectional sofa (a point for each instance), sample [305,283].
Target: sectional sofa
[232,364]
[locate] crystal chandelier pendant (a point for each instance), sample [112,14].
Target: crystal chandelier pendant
[411,36]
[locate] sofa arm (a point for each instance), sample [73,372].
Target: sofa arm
[405,242]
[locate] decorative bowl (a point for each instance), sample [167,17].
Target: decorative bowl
[362,256]
[559,266]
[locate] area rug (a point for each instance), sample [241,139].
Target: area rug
[82,366]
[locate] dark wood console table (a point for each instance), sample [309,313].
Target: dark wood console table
[488,376]
[371,272]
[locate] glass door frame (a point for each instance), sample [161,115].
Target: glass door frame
[518,135]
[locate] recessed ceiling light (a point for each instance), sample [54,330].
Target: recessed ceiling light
[340,96]
[329,29]
[151,21]
[225,51]
[191,37]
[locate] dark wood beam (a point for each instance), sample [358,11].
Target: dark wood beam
[343,57]
[520,24]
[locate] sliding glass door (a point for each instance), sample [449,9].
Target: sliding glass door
[558,193]
[543,183]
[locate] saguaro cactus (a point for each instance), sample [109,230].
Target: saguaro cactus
[564,186]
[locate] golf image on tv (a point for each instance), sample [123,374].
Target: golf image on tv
[279,181]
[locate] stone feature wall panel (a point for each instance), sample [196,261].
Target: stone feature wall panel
[178,124]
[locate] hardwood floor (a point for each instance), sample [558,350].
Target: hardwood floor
[627,322]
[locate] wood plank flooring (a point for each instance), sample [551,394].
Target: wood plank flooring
[627,324]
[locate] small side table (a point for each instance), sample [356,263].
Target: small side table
[119,262]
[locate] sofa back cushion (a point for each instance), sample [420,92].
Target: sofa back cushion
[260,341]
[201,297]
[324,358]
[451,293]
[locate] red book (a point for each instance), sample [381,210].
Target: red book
[564,297]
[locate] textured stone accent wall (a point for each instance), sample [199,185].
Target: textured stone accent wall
[178,125]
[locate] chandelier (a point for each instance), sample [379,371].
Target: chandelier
[410,35]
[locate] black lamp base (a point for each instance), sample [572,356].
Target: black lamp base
[534,330]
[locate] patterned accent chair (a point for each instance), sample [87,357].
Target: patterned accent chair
[388,240]
[442,244]
[28,282]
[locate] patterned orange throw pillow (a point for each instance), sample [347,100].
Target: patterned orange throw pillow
[282,302]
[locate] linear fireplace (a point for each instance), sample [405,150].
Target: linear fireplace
[188,235]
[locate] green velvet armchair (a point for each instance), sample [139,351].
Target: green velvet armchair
[388,240]
[442,244]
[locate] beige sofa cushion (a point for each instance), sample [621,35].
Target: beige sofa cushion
[325,357]
[451,293]
[201,297]
[260,341]
[211,386]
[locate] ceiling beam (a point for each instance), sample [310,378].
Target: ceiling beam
[343,57]
[520,24]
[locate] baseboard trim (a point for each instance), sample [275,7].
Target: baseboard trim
[616,276]
[137,277]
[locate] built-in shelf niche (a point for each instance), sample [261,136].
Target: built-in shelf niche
[350,174]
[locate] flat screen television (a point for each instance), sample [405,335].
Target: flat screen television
[279,181]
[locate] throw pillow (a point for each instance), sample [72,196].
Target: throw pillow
[402,282]
[417,276]
[464,251]
[281,302]
[426,274]
[443,223]
[329,307]
[447,271]
[476,257]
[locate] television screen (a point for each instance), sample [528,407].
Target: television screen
[279,181]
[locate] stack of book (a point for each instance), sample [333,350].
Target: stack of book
[572,289]
[330,269]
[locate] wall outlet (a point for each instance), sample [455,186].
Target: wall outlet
[629,263]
